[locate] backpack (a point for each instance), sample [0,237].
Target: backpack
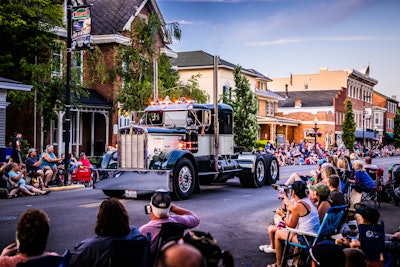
[210,249]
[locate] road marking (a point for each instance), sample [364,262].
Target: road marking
[97,204]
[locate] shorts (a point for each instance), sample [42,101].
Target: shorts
[16,156]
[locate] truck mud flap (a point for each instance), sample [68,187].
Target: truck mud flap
[137,181]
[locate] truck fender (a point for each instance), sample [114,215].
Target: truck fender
[177,155]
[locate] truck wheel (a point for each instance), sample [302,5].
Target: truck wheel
[256,179]
[114,193]
[184,179]
[272,169]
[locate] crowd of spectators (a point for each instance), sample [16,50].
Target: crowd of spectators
[116,239]
[307,152]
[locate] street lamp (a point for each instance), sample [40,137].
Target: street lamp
[363,132]
[315,133]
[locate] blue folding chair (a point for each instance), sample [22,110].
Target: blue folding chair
[329,226]
[47,261]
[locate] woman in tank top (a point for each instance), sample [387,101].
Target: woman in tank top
[303,216]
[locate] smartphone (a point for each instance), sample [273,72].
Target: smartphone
[281,192]
[147,209]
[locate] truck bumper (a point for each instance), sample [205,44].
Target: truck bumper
[148,181]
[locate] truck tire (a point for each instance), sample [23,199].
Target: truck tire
[256,179]
[184,179]
[272,169]
[114,193]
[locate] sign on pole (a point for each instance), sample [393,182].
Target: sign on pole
[81,26]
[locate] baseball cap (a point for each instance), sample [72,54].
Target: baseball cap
[321,189]
[321,161]
[161,199]
[327,253]
[369,213]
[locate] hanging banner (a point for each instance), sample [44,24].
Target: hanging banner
[81,26]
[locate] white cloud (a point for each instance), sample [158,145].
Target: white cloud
[323,39]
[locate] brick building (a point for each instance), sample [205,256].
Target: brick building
[321,96]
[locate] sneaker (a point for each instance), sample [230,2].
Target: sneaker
[267,249]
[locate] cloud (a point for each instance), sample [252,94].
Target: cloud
[182,22]
[285,41]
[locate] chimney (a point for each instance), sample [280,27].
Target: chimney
[286,89]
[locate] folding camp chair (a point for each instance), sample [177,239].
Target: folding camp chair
[47,261]
[129,252]
[372,240]
[329,226]
[170,232]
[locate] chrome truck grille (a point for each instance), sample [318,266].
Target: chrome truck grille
[132,149]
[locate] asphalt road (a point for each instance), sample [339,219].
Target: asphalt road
[237,217]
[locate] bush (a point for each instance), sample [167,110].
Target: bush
[260,144]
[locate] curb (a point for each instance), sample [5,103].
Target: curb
[66,187]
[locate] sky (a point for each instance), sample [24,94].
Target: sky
[279,37]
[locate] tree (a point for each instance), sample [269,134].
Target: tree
[245,106]
[349,126]
[27,40]
[189,90]
[396,129]
[135,65]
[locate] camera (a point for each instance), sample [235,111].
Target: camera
[282,189]
[147,209]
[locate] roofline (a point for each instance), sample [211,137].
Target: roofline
[15,86]
[110,38]
[223,66]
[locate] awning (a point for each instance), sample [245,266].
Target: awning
[389,135]
[367,135]
[277,120]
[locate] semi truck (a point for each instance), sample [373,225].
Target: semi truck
[179,146]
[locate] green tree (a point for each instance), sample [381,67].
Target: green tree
[135,67]
[396,130]
[349,126]
[27,30]
[245,106]
[190,90]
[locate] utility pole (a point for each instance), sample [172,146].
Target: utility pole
[216,119]
[68,91]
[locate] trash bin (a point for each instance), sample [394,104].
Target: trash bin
[5,153]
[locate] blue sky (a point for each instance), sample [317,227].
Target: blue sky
[279,37]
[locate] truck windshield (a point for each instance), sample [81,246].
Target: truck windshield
[175,118]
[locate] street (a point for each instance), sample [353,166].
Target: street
[237,217]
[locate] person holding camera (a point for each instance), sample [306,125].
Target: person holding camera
[160,210]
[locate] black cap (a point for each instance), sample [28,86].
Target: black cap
[161,199]
[369,213]
[327,253]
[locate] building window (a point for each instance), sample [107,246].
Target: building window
[273,109]
[76,135]
[56,64]
[306,86]
[267,107]
[78,67]
[124,70]
[226,89]
[54,132]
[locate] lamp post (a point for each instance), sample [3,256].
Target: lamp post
[363,132]
[315,133]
